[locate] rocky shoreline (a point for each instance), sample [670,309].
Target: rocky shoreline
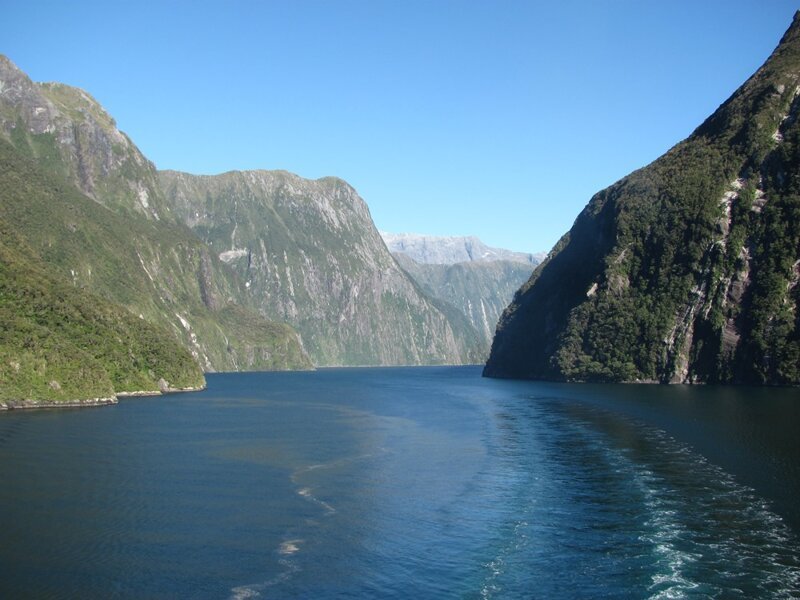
[160,392]
[88,402]
[32,404]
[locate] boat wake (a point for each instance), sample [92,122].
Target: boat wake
[289,549]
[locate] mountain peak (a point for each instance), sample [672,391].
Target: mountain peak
[69,129]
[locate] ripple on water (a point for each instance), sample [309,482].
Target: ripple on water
[416,488]
[707,533]
[621,506]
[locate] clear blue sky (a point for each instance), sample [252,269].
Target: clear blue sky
[495,118]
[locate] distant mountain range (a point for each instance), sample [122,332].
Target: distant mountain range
[443,250]
[478,290]
[477,280]
[686,270]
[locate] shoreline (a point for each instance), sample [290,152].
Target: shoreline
[159,392]
[11,405]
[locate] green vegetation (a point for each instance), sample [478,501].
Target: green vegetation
[61,344]
[686,270]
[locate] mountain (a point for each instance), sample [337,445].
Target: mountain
[441,250]
[84,199]
[686,270]
[480,290]
[154,269]
[62,346]
[310,256]
[96,211]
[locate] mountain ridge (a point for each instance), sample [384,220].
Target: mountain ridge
[436,249]
[82,195]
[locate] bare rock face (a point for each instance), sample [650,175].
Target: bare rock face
[310,256]
[686,270]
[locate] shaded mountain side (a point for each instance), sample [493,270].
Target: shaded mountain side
[310,256]
[478,290]
[153,268]
[686,270]
[62,345]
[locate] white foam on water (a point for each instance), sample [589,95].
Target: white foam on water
[308,495]
[255,590]
[708,535]
[715,495]
[243,592]
[669,580]
[290,546]
[332,464]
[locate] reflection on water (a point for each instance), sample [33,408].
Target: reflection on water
[426,482]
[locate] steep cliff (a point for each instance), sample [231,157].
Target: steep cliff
[82,196]
[686,270]
[310,256]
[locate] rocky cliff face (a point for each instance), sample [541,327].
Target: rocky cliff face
[444,250]
[686,270]
[480,290]
[84,198]
[66,130]
[310,256]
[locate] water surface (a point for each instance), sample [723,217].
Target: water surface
[418,482]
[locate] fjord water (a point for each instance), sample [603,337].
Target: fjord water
[405,482]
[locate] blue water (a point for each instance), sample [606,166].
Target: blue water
[405,483]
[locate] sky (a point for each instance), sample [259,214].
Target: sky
[494,118]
